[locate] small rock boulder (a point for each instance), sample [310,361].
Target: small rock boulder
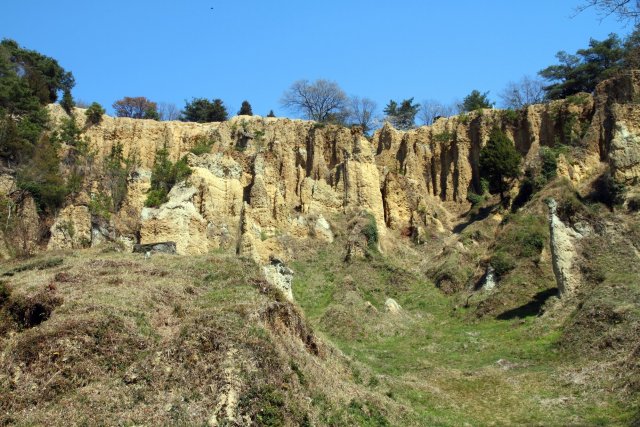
[392,306]
[370,307]
[160,247]
[279,276]
[489,279]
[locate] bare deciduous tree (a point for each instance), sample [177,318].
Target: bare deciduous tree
[431,110]
[168,111]
[525,92]
[362,112]
[81,103]
[321,100]
[625,10]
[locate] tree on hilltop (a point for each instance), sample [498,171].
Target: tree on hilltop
[430,110]
[362,112]
[245,109]
[28,82]
[403,116]
[168,111]
[322,100]
[137,107]
[475,101]
[67,102]
[41,75]
[202,110]
[527,91]
[583,71]
[94,113]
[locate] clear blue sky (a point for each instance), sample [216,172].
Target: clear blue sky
[175,50]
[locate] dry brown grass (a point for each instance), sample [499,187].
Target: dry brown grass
[170,340]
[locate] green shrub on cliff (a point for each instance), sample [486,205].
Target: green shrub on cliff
[42,178]
[164,176]
[370,231]
[499,162]
[94,113]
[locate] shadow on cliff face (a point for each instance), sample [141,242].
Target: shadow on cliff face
[532,308]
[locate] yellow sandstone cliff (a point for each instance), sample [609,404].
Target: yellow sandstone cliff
[268,177]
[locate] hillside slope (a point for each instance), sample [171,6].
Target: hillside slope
[93,337]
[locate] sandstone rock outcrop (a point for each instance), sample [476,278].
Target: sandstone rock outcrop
[22,237]
[266,177]
[624,155]
[563,251]
[72,229]
[616,125]
[279,276]
[177,220]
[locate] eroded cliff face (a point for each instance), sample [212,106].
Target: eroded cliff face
[265,177]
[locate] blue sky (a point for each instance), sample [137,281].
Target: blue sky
[170,51]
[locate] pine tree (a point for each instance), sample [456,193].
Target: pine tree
[67,102]
[476,101]
[403,116]
[202,110]
[245,109]
[42,178]
[499,162]
[164,176]
[94,113]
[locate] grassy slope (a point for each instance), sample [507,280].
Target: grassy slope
[170,340]
[442,360]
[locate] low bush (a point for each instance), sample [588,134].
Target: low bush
[100,205]
[370,231]
[578,99]
[164,176]
[521,242]
[548,163]
[502,263]
[156,198]
[202,145]
[569,207]
[510,116]
[474,198]
[266,404]
[445,136]
[453,275]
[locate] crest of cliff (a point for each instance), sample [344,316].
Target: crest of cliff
[261,180]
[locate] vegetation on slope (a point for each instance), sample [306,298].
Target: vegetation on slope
[101,336]
[523,362]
